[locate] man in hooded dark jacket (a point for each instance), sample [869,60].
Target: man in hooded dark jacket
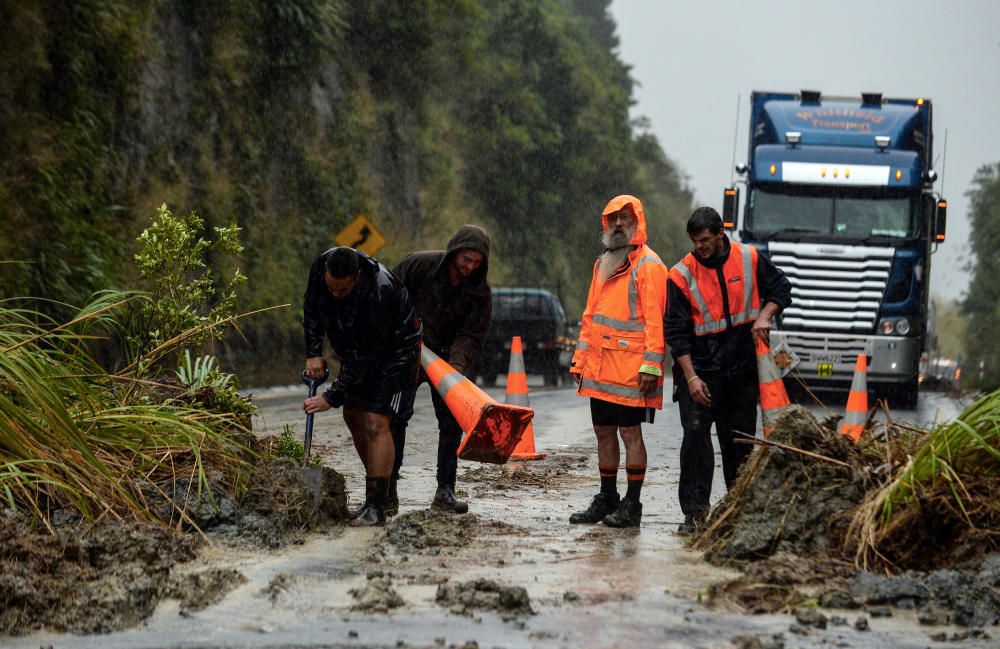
[368,317]
[452,297]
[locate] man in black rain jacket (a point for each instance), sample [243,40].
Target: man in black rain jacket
[367,315]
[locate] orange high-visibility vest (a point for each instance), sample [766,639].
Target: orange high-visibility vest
[700,286]
[622,327]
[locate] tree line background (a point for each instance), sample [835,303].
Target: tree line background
[289,117]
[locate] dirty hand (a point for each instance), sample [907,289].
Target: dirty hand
[647,383]
[315,404]
[762,328]
[315,367]
[699,392]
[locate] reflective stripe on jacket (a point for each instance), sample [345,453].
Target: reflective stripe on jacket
[621,332]
[712,308]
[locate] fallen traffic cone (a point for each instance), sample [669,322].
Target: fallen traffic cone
[517,394]
[856,415]
[492,429]
[773,398]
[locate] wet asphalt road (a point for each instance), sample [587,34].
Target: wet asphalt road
[626,588]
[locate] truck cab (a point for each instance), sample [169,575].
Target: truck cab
[839,194]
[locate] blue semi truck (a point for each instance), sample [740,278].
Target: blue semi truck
[840,195]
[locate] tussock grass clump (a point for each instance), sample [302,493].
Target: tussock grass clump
[942,505]
[74,436]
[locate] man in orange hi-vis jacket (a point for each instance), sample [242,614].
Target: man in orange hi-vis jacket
[618,361]
[720,297]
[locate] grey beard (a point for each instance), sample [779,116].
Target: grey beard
[615,239]
[611,261]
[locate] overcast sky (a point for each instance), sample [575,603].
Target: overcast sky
[692,59]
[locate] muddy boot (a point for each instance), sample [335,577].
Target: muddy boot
[372,514]
[392,500]
[690,524]
[602,505]
[444,500]
[628,514]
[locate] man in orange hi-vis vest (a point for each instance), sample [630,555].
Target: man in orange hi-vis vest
[719,297]
[619,357]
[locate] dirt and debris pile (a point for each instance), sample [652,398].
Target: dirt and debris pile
[485,595]
[431,531]
[810,508]
[787,501]
[285,498]
[281,500]
[200,589]
[377,595]
[96,578]
[553,472]
[84,578]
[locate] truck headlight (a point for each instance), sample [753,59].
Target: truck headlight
[898,326]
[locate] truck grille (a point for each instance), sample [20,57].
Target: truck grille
[836,289]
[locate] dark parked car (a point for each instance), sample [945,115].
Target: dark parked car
[537,316]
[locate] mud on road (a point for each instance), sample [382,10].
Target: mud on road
[512,573]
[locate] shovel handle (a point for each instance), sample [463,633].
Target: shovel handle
[313,385]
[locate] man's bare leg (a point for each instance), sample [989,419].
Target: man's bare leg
[371,432]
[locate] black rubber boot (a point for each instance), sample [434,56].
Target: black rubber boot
[444,500]
[392,499]
[628,514]
[602,505]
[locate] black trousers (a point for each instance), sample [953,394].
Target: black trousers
[734,408]
[449,436]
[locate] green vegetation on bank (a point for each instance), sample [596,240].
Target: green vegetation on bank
[147,432]
[289,117]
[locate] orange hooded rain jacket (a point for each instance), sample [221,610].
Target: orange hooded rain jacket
[621,333]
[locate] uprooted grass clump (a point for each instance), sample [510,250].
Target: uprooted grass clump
[904,498]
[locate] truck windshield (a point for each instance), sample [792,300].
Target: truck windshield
[841,213]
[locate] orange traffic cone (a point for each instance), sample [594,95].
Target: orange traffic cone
[773,398]
[492,429]
[856,415]
[517,394]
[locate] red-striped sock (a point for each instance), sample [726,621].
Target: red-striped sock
[636,474]
[609,479]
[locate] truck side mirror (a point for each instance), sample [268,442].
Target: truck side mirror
[940,220]
[730,204]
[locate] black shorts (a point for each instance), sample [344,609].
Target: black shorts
[606,413]
[365,397]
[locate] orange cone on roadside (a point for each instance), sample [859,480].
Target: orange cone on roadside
[517,394]
[856,415]
[773,398]
[492,429]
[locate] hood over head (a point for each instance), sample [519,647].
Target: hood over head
[474,238]
[635,206]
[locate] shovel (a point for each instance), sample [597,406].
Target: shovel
[313,384]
